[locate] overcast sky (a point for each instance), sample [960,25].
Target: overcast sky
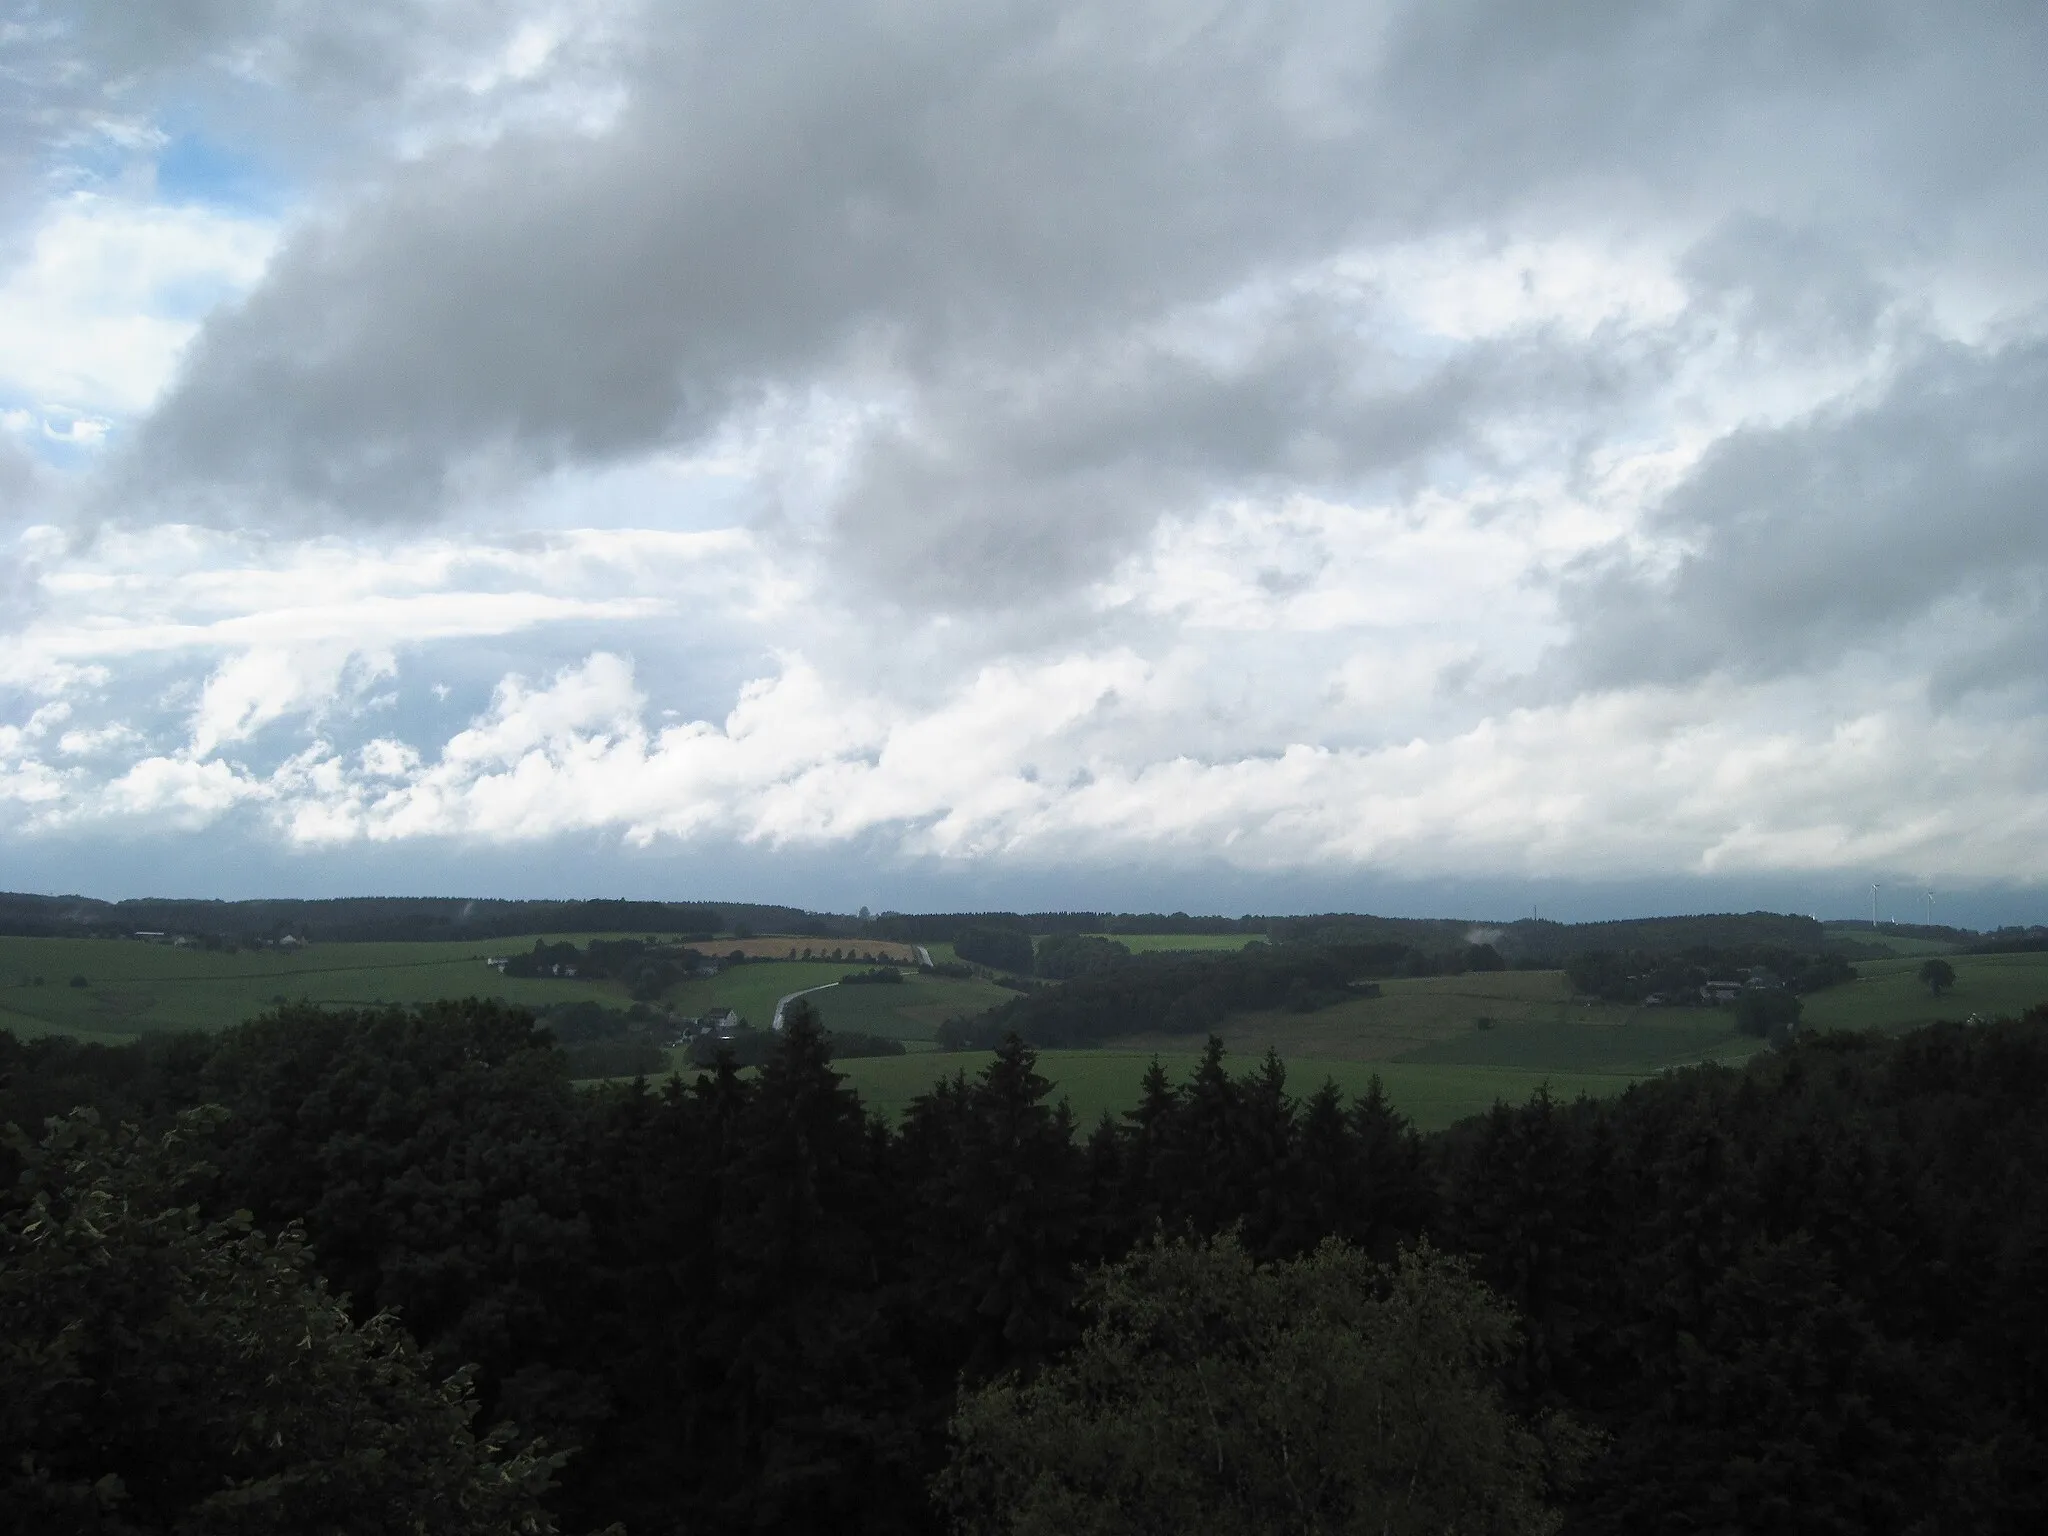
[1437,457]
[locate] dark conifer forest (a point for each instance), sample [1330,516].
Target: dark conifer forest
[1806,1295]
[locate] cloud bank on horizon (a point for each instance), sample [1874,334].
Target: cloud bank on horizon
[1417,442]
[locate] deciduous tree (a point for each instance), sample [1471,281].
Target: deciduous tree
[160,1372]
[1937,975]
[1210,1393]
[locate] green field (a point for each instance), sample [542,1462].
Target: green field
[1889,997]
[1534,1023]
[1093,1082]
[752,990]
[1424,1036]
[1178,943]
[133,988]
[1880,938]
[911,1011]
[1144,943]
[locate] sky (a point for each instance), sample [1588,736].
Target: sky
[1460,458]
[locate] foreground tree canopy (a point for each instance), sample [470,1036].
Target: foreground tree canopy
[1209,1393]
[1803,1295]
[160,1372]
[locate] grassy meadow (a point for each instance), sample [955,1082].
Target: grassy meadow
[1882,938]
[1889,996]
[1422,1037]
[1444,1046]
[1425,1039]
[1178,943]
[1529,1020]
[134,988]
[912,1010]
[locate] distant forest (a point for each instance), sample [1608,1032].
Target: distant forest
[399,918]
[1806,1295]
[369,918]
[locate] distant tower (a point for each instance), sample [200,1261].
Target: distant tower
[1873,903]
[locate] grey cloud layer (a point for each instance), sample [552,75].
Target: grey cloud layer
[1044,477]
[787,184]
[290,72]
[795,191]
[20,594]
[1003,220]
[1840,531]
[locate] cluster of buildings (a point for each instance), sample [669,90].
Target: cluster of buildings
[721,1025]
[197,941]
[1718,993]
[499,962]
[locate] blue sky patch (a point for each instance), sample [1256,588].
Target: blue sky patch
[195,169]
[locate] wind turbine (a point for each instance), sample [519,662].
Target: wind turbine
[1873,903]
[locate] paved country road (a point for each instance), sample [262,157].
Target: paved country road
[924,956]
[783,1002]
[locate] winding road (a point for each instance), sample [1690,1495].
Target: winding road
[924,957]
[783,1002]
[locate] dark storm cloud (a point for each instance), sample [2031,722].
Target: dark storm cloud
[955,204]
[1814,539]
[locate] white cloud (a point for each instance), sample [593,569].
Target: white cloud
[259,687]
[104,299]
[179,792]
[30,783]
[104,741]
[388,759]
[1032,765]
[175,589]
[1470,285]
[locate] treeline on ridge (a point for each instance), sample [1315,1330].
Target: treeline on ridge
[1807,1294]
[2009,941]
[1632,976]
[1525,941]
[647,969]
[1070,944]
[365,919]
[944,927]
